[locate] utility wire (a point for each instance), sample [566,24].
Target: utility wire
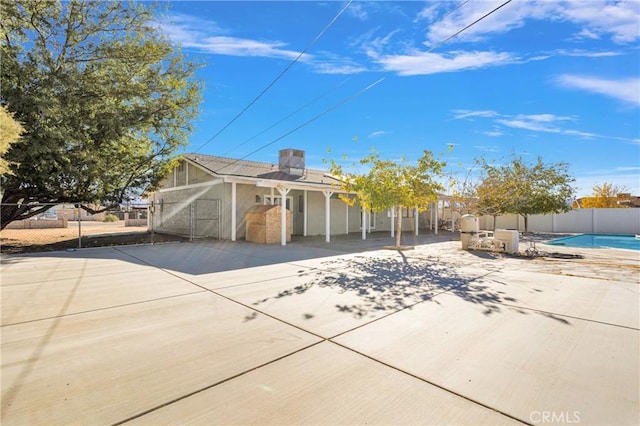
[339,104]
[328,110]
[315,39]
[449,12]
[468,26]
[285,118]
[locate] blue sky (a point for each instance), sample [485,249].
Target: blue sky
[556,79]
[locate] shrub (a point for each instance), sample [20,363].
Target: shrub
[110,218]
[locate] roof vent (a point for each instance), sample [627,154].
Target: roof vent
[292,161]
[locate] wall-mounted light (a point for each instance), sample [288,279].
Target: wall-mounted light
[257,199]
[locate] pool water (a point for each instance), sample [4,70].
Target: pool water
[629,242]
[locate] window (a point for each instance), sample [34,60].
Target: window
[405,212]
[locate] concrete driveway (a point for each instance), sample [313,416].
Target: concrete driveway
[316,333]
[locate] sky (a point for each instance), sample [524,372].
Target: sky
[558,80]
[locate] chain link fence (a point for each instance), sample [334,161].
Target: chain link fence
[68,227]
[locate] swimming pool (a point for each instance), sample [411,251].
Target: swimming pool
[629,242]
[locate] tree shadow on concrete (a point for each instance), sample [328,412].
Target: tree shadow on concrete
[392,283]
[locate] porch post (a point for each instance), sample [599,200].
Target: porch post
[417,220]
[327,215]
[436,217]
[393,221]
[283,214]
[346,217]
[304,226]
[233,211]
[364,224]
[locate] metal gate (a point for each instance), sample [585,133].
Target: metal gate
[207,218]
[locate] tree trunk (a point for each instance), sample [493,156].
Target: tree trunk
[398,225]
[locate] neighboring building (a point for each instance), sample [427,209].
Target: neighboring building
[207,196]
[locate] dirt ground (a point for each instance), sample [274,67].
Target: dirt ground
[94,234]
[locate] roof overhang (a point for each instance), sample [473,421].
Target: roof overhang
[274,183]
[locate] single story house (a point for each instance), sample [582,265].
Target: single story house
[208,196]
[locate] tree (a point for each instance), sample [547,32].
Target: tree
[519,188]
[10,131]
[607,195]
[464,194]
[392,185]
[104,97]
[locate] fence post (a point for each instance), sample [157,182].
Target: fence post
[79,227]
[150,210]
[191,221]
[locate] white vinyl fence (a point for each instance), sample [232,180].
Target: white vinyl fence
[592,221]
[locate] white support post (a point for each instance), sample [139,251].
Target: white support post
[327,215]
[417,221]
[272,197]
[283,215]
[364,224]
[233,211]
[393,221]
[435,230]
[306,203]
[346,218]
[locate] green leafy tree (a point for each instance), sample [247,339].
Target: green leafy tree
[392,185]
[519,188]
[104,97]
[10,131]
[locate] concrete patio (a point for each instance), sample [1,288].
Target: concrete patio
[315,333]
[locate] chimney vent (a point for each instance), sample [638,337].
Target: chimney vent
[292,161]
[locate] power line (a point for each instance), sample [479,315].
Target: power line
[328,110]
[359,92]
[286,117]
[450,12]
[468,26]
[315,39]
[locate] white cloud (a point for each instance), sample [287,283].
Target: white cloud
[465,113]
[511,16]
[618,20]
[336,68]
[547,123]
[627,90]
[234,46]
[188,32]
[357,11]
[378,133]
[544,123]
[421,63]
[485,148]
[329,63]
[543,118]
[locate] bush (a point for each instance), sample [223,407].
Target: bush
[110,218]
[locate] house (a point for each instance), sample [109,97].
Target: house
[208,196]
